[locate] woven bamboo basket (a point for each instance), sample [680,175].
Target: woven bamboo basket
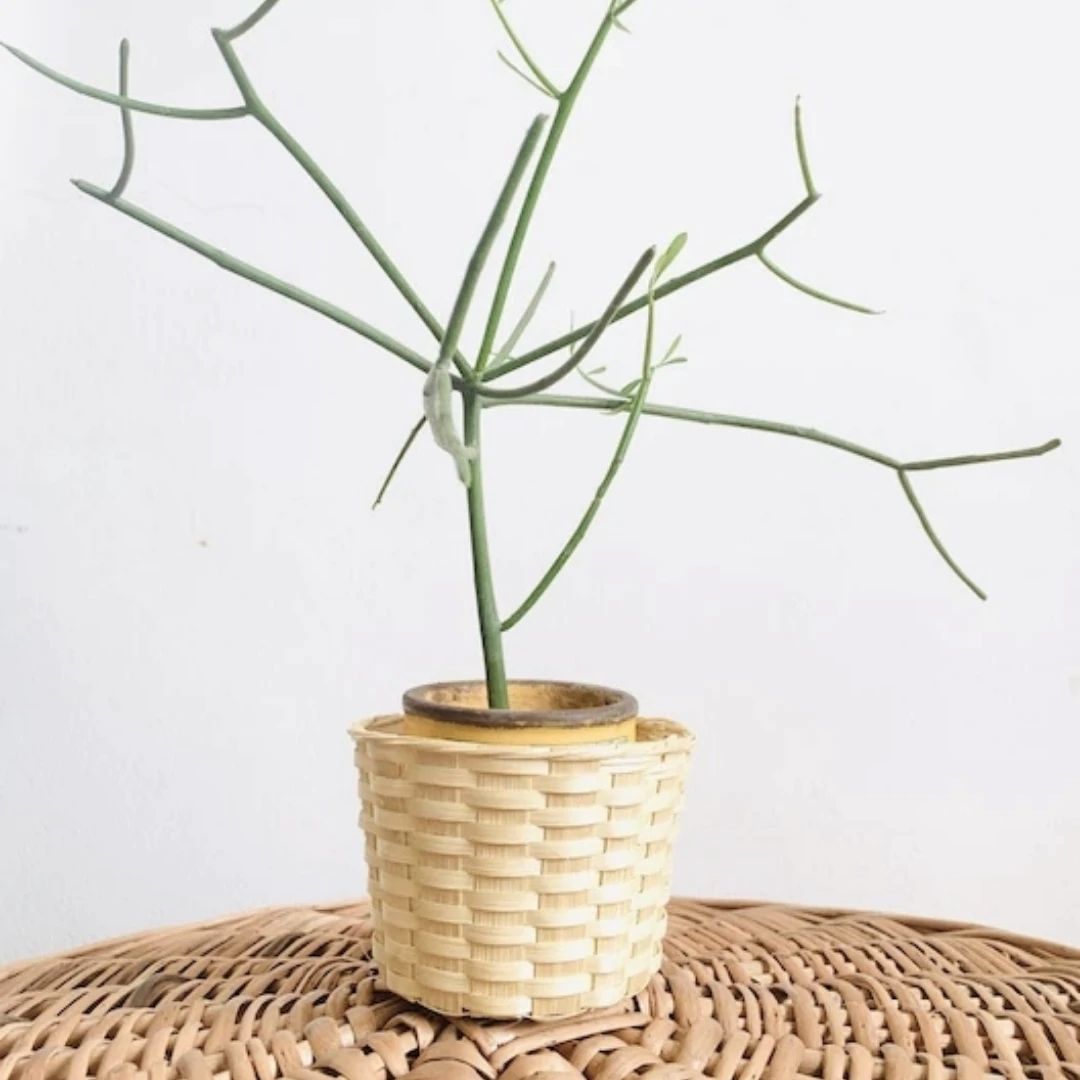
[519,881]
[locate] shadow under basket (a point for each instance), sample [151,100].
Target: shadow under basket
[519,881]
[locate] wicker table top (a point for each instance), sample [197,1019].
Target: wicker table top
[748,992]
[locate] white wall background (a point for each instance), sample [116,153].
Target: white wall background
[196,601]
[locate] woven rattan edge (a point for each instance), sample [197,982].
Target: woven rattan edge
[928,923]
[915,922]
[108,945]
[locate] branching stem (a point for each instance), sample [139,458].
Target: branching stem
[260,277]
[177,112]
[126,126]
[567,101]
[544,82]
[680,281]
[255,106]
[901,468]
[472,379]
[634,407]
[587,345]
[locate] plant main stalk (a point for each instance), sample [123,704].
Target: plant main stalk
[486,608]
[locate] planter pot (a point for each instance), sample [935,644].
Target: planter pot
[519,879]
[542,713]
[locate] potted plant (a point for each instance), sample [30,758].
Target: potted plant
[519,833]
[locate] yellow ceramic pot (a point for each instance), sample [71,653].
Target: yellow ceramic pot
[540,714]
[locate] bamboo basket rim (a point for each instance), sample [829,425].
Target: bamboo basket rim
[661,736]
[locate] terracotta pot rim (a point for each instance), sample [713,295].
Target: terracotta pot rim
[604,706]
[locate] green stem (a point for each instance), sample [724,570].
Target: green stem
[486,607]
[924,521]
[901,468]
[567,100]
[233,112]
[524,75]
[126,126]
[775,427]
[250,22]
[260,277]
[698,416]
[257,108]
[543,81]
[980,459]
[406,447]
[800,147]
[587,345]
[487,610]
[479,257]
[671,286]
[527,316]
[576,537]
[810,290]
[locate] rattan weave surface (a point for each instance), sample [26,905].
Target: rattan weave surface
[747,992]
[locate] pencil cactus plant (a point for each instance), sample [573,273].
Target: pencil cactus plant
[470,384]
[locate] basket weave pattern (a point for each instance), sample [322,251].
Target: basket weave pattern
[519,881]
[747,992]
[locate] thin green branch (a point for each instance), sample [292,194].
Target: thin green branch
[527,317]
[800,146]
[487,239]
[756,247]
[406,447]
[629,428]
[260,277]
[920,513]
[524,75]
[676,283]
[251,21]
[567,101]
[809,290]
[980,459]
[233,112]
[564,369]
[545,83]
[571,545]
[596,384]
[333,193]
[126,126]
[774,427]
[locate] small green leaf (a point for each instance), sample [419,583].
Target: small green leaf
[523,323]
[630,387]
[673,360]
[671,349]
[598,370]
[668,257]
